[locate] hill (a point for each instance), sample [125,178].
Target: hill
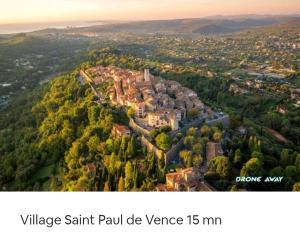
[205,26]
[291,26]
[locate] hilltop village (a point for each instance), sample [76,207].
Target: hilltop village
[155,101]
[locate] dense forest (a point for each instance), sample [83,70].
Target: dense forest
[63,141]
[27,60]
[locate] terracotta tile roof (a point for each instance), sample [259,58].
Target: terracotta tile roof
[121,128]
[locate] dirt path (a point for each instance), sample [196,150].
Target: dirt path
[277,135]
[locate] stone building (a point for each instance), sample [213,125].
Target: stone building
[213,150]
[120,130]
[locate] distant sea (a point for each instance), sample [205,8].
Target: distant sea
[29,27]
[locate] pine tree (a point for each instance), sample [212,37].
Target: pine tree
[135,176]
[237,157]
[128,175]
[130,150]
[297,163]
[106,187]
[121,186]
[123,147]
[112,163]
[161,162]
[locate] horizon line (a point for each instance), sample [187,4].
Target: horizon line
[296,14]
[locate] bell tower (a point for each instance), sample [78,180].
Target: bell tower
[146,75]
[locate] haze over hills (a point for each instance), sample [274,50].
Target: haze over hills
[289,26]
[206,26]
[212,25]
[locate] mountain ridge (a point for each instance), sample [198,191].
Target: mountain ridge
[205,26]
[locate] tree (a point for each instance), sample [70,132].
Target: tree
[189,162]
[112,163]
[179,136]
[235,121]
[110,145]
[165,129]
[286,158]
[205,131]
[161,162]
[233,188]
[252,168]
[290,171]
[217,136]
[296,187]
[212,176]
[186,157]
[193,113]
[130,151]
[273,120]
[189,141]
[197,161]
[123,147]
[191,131]
[163,141]
[258,155]
[106,187]
[148,185]
[153,133]
[254,144]
[116,145]
[237,157]
[134,146]
[197,149]
[67,132]
[93,144]
[297,164]
[93,114]
[277,171]
[128,175]
[150,164]
[220,165]
[121,186]
[135,175]
[130,112]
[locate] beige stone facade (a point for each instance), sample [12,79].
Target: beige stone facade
[160,102]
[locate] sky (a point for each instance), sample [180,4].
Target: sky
[29,11]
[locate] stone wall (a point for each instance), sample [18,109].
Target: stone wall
[184,129]
[224,120]
[151,147]
[86,77]
[173,153]
[138,128]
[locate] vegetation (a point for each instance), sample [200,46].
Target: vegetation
[65,143]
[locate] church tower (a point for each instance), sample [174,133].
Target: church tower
[146,75]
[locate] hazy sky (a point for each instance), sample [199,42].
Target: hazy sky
[17,11]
